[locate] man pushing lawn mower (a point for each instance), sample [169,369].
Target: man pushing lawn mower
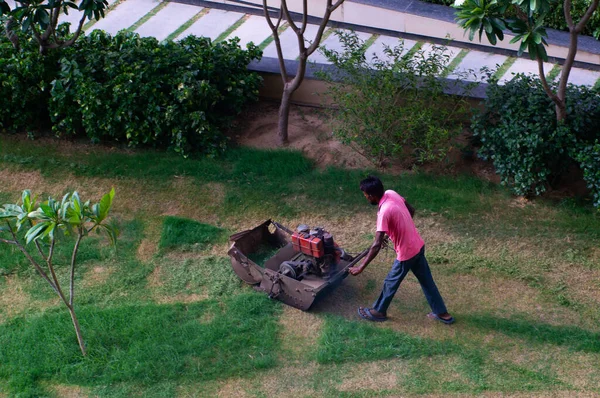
[394,218]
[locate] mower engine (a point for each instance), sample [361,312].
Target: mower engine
[316,253]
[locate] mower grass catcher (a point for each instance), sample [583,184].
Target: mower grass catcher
[296,267]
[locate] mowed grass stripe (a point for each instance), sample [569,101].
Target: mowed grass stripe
[146,17]
[187,24]
[232,28]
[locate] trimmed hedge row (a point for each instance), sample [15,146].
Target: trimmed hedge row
[518,131]
[176,95]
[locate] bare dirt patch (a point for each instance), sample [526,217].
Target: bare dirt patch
[181,298]
[98,275]
[66,391]
[373,376]
[308,132]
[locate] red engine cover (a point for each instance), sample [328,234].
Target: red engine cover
[311,246]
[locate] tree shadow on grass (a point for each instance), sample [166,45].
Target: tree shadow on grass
[571,337]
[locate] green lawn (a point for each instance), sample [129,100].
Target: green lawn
[165,316]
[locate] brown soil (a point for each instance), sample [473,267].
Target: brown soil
[310,133]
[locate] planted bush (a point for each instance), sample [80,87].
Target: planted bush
[136,90]
[25,78]
[518,131]
[393,107]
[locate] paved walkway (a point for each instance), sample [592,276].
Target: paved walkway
[175,21]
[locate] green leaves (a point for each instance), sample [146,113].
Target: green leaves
[69,216]
[191,91]
[493,17]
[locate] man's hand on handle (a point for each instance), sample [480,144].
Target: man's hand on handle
[373,251]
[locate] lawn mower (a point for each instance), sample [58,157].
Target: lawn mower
[296,267]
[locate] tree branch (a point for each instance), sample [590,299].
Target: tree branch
[304,16]
[72,275]
[288,16]
[76,34]
[545,84]
[586,17]
[322,26]
[275,32]
[53,273]
[31,259]
[568,15]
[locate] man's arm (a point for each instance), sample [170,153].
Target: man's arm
[373,251]
[411,209]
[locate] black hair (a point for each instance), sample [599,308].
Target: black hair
[372,186]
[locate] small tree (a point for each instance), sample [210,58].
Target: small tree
[28,223]
[525,19]
[291,85]
[41,18]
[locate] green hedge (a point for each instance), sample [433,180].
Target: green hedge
[176,95]
[518,131]
[556,17]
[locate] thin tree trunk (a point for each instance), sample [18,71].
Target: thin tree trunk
[284,115]
[77,330]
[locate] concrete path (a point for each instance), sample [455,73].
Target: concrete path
[332,42]
[254,29]
[526,67]
[289,42]
[168,20]
[74,16]
[215,23]
[126,14]
[212,24]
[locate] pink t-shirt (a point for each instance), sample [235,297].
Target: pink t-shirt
[394,219]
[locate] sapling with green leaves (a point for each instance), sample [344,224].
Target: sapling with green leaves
[40,18]
[29,226]
[524,19]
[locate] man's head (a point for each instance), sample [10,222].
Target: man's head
[372,188]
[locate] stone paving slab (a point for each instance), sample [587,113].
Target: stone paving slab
[74,16]
[583,77]
[333,43]
[470,67]
[289,42]
[524,66]
[212,24]
[378,47]
[168,20]
[255,29]
[428,50]
[125,15]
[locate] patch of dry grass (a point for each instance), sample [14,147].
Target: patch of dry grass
[15,300]
[68,391]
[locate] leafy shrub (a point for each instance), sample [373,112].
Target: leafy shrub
[25,78]
[556,17]
[137,90]
[518,131]
[588,157]
[391,107]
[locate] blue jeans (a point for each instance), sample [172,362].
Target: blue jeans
[419,266]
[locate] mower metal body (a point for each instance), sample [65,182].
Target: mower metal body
[301,294]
